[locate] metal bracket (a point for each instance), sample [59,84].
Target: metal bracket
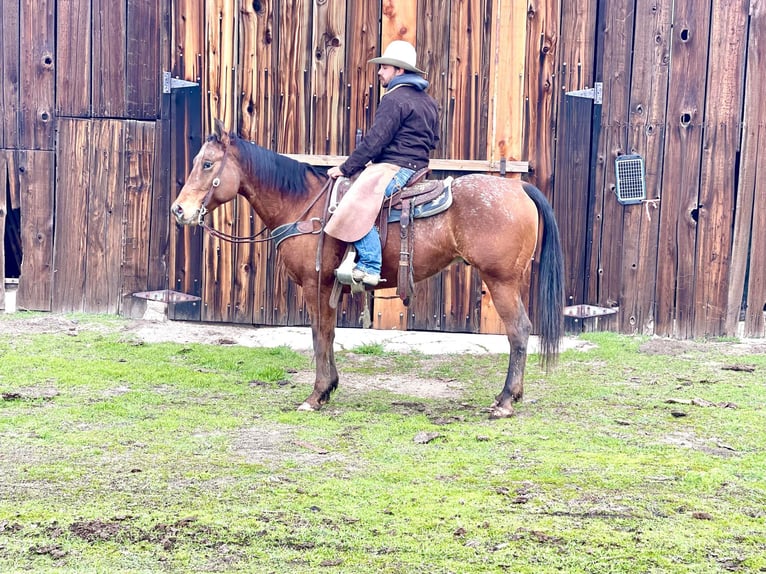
[169,83]
[596,93]
[585,311]
[166,296]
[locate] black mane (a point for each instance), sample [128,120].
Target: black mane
[274,170]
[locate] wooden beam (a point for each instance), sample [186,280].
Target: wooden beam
[474,166]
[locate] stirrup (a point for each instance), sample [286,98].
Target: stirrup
[344,272]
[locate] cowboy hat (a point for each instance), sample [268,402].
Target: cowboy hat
[399,54]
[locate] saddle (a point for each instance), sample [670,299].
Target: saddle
[419,198]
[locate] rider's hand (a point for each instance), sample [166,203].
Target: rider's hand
[334,172]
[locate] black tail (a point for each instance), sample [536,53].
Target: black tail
[551,281]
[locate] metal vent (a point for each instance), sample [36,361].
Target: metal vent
[631,184]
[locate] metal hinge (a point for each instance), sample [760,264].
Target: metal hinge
[169,83]
[596,93]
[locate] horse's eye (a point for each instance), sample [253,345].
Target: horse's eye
[207,164]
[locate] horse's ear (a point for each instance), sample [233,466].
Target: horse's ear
[219,131]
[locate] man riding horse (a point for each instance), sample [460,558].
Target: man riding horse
[404,132]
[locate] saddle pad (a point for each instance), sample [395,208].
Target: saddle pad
[433,207]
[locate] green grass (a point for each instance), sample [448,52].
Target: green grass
[118,456]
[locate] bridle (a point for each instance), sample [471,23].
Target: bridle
[317,223]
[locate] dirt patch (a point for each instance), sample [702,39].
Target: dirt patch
[393,383]
[278,443]
[675,347]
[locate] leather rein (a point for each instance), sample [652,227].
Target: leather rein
[256,237]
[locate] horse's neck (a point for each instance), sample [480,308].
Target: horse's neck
[275,208]
[267,203]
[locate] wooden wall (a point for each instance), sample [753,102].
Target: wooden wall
[92,151]
[81,105]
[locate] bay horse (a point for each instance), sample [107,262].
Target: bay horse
[492,224]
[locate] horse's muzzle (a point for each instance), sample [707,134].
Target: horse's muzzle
[181,217]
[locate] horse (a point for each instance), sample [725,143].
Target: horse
[492,224]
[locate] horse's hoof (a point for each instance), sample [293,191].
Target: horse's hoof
[307,407]
[498,412]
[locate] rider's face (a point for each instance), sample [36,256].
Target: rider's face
[386,74]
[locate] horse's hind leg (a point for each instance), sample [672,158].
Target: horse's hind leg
[510,306]
[323,334]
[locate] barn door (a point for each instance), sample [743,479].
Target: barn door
[185,269]
[576,157]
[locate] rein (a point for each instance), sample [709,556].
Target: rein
[254,238]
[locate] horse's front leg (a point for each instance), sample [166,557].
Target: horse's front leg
[323,333]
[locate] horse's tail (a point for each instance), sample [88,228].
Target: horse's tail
[551,281]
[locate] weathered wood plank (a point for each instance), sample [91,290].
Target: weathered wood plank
[648,100]
[756,286]
[328,119]
[143,65]
[109,25]
[617,245]
[362,44]
[461,304]
[9,74]
[106,207]
[293,79]
[436,55]
[255,70]
[36,184]
[723,112]
[73,175]
[679,206]
[37,75]
[73,58]
[221,32]
[748,249]
[221,26]
[507,79]
[466,101]
[139,170]
[399,21]
[188,39]
[540,93]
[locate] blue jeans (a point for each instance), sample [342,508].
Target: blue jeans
[368,247]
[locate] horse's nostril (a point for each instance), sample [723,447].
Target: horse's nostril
[177,210]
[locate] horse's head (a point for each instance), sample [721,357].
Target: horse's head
[214,179]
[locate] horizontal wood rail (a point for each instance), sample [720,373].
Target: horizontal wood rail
[473,165]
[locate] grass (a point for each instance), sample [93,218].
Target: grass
[118,456]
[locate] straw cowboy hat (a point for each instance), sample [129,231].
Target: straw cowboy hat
[399,54]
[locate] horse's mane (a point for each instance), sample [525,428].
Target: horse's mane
[273,169]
